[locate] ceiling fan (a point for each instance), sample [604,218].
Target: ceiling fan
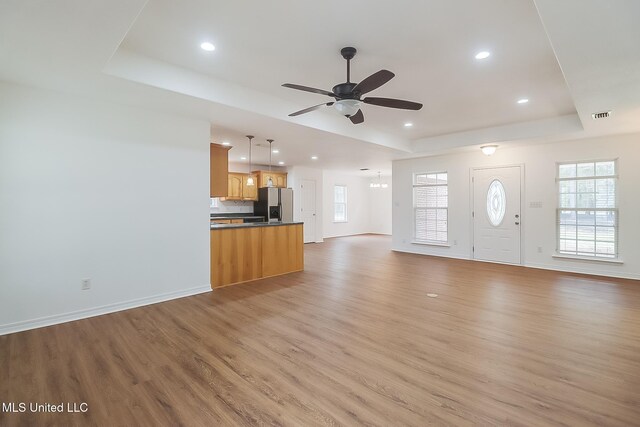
[348,96]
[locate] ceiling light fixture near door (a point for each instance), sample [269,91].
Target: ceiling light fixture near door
[523,100]
[226,143]
[249,176]
[281,163]
[483,55]
[209,47]
[408,125]
[314,157]
[488,150]
[270,180]
[379,183]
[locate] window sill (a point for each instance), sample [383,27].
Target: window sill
[585,258]
[422,242]
[340,222]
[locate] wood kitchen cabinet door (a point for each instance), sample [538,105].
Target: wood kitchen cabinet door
[250,192]
[235,182]
[280,180]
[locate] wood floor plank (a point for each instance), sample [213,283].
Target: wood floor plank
[352,340]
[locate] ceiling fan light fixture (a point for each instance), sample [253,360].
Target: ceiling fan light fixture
[347,107]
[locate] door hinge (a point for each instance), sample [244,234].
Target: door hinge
[473,179]
[473,248]
[473,214]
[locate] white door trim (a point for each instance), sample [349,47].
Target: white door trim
[522,210]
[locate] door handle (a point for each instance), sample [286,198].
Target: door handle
[517,223]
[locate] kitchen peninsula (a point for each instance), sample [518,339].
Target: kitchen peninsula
[250,251]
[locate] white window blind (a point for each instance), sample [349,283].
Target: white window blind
[431,206]
[587,215]
[340,203]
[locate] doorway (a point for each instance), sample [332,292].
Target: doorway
[308,209]
[497,214]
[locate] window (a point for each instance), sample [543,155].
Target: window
[340,203]
[587,213]
[430,205]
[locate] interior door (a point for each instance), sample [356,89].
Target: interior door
[308,209]
[496,214]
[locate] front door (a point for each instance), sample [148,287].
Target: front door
[308,189]
[496,214]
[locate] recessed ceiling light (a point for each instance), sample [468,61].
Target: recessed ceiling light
[314,157]
[408,125]
[523,100]
[243,158]
[276,151]
[209,47]
[226,143]
[281,163]
[483,55]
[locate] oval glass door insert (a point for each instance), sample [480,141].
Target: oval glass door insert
[496,202]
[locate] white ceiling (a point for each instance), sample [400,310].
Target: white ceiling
[569,58]
[429,45]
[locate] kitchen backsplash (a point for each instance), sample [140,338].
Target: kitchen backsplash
[230,206]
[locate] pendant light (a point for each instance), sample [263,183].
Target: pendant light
[250,178]
[379,183]
[270,180]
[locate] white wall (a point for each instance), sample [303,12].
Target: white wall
[538,224]
[295,176]
[358,205]
[101,191]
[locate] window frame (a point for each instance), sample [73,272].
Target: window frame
[435,242]
[616,225]
[335,203]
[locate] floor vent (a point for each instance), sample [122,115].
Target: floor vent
[601,115]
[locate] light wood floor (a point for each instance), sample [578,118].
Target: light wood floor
[352,340]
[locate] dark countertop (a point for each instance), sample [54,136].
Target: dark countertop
[252,224]
[235,216]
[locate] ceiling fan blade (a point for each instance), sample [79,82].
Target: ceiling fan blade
[309,89]
[357,118]
[374,81]
[306,110]
[393,103]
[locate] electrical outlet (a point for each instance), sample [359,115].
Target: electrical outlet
[539,249]
[455,243]
[85,284]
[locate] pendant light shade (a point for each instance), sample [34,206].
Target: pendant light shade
[270,180]
[249,177]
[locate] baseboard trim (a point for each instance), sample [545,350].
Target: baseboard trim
[607,273]
[613,274]
[55,319]
[404,251]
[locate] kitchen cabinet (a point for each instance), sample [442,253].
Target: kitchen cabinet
[250,192]
[237,188]
[218,170]
[228,221]
[279,179]
[241,254]
[234,186]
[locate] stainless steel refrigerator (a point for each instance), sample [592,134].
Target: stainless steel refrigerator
[275,204]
